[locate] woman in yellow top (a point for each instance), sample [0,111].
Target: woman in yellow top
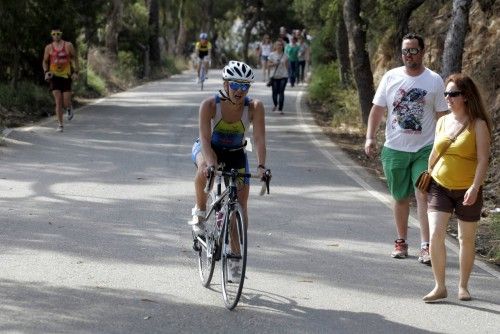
[457,180]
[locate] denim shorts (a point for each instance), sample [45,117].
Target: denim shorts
[402,169]
[443,199]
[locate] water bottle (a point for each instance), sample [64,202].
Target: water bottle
[220,218]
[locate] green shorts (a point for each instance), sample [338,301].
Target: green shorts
[402,169]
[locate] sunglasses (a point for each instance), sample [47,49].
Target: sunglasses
[56,33]
[239,86]
[410,51]
[452,94]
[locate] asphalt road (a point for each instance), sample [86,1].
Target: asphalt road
[93,234]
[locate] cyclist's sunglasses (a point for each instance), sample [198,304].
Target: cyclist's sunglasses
[239,86]
[56,33]
[410,51]
[452,94]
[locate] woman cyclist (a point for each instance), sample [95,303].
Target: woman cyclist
[224,120]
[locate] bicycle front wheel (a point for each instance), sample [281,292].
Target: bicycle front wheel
[207,247]
[202,76]
[233,257]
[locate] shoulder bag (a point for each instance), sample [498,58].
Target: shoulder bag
[270,82]
[424,179]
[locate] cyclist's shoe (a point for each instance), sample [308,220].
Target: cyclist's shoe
[424,256]
[197,222]
[70,113]
[60,128]
[400,249]
[233,271]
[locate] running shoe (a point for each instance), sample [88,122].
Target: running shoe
[400,249]
[197,221]
[70,113]
[424,256]
[60,128]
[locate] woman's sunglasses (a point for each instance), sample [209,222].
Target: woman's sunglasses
[452,94]
[239,86]
[56,33]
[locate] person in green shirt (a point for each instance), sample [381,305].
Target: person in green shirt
[292,52]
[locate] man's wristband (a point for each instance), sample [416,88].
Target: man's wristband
[261,166]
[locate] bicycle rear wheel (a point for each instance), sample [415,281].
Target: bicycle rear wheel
[233,258]
[207,247]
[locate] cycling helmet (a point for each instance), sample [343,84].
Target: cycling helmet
[237,71]
[203,35]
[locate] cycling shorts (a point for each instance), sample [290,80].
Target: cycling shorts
[232,159]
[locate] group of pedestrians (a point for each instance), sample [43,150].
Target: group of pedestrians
[283,61]
[415,99]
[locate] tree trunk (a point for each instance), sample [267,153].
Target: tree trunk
[455,38]
[342,46]
[251,17]
[182,36]
[359,56]
[113,27]
[402,20]
[154,33]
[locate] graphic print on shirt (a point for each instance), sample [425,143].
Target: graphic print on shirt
[228,134]
[409,110]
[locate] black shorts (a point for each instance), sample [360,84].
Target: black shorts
[202,54]
[60,83]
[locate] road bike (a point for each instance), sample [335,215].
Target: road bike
[225,233]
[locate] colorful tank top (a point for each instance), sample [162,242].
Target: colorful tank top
[60,65]
[226,134]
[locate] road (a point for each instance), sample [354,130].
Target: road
[93,235]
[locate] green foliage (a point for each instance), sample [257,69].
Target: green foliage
[128,66]
[25,102]
[96,83]
[325,88]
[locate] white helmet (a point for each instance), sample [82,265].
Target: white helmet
[237,71]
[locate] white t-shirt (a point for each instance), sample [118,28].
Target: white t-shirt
[412,103]
[266,49]
[281,71]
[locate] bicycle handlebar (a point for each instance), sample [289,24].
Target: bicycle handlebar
[266,178]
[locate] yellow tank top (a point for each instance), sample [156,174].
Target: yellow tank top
[457,167]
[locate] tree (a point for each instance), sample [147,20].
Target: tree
[342,43]
[359,56]
[113,27]
[455,38]
[402,18]
[251,15]
[154,33]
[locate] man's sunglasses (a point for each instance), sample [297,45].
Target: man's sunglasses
[239,86]
[410,51]
[452,94]
[56,33]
